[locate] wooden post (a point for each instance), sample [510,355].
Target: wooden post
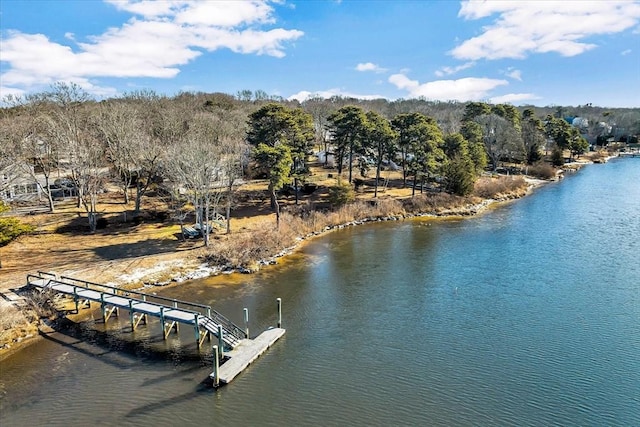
[220,342]
[246,321]
[164,334]
[133,326]
[216,367]
[279,312]
[197,329]
[75,298]
[104,314]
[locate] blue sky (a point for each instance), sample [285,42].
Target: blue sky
[524,52]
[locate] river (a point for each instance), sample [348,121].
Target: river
[527,315]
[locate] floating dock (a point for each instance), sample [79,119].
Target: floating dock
[247,350]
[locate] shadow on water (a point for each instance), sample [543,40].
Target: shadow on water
[203,388]
[120,348]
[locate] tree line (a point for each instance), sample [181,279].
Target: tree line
[197,148]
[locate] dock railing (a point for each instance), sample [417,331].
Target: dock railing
[199,309]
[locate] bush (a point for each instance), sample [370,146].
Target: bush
[492,188]
[542,170]
[11,228]
[341,194]
[557,158]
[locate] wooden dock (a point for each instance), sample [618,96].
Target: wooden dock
[205,321]
[239,351]
[245,353]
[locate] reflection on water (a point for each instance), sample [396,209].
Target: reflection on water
[527,315]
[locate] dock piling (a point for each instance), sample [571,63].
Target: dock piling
[220,341]
[216,367]
[279,312]
[246,321]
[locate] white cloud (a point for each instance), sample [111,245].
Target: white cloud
[168,35]
[446,71]
[513,73]
[513,97]
[10,91]
[466,89]
[625,52]
[149,8]
[370,66]
[304,94]
[524,27]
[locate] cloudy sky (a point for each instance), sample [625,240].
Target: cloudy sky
[524,52]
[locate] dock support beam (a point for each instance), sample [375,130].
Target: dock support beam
[134,318]
[216,367]
[246,321]
[220,342]
[164,335]
[200,336]
[279,312]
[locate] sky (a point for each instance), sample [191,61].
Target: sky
[541,52]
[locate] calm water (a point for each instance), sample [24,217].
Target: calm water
[528,315]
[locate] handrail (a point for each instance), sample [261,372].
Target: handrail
[228,325]
[204,307]
[209,316]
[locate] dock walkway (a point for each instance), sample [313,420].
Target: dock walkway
[171,312]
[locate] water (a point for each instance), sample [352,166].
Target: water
[527,315]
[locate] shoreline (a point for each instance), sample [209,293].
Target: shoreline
[175,268]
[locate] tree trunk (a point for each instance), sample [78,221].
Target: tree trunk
[272,195]
[413,190]
[404,168]
[375,191]
[139,192]
[125,189]
[350,161]
[47,191]
[277,207]
[204,225]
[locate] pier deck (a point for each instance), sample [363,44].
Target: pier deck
[246,352]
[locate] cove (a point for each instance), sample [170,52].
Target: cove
[526,315]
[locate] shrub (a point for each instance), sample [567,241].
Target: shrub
[341,194]
[557,158]
[542,170]
[11,228]
[491,188]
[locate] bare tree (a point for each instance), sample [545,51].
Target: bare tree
[70,126]
[27,149]
[230,130]
[501,139]
[193,166]
[120,129]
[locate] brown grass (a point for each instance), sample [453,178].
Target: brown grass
[500,187]
[542,170]
[14,324]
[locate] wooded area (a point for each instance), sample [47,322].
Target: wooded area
[195,149]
